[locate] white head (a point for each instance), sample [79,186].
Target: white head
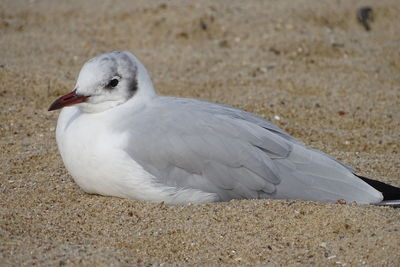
[107,81]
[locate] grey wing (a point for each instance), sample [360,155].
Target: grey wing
[250,117]
[247,116]
[191,144]
[187,147]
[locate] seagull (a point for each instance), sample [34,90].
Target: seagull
[117,137]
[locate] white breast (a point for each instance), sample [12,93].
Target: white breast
[94,155]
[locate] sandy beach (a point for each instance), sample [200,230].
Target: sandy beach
[308,66]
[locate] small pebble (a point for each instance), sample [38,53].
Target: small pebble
[224,44]
[203,25]
[182,35]
[274,50]
[365,16]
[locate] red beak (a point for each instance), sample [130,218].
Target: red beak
[67,100]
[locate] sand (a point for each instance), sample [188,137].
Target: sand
[308,66]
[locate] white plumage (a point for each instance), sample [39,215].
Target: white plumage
[117,137]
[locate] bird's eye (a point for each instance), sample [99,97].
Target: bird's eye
[112,83]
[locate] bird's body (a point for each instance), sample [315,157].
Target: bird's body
[143,146]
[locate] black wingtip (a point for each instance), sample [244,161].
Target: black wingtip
[388,191]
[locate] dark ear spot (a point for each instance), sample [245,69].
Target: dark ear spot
[134,86]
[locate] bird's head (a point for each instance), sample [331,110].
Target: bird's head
[107,81]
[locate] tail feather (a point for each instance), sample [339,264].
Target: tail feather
[391,194]
[390,203]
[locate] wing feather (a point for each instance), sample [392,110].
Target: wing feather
[234,154]
[206,150]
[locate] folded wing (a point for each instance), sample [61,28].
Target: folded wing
[219,149]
